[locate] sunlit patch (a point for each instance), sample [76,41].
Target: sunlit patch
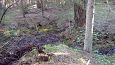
[61,53]
[44,30]
[84,61]
[33,6]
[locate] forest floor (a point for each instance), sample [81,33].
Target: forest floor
[63,55]
[103,17]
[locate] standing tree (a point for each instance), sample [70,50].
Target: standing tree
[79,15]
[0,6]
[89,26]
[40,4]
[24,7]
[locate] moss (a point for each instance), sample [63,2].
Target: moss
[105,60]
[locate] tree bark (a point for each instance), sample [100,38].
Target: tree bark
[79,15]
[89,26]
[39,4]
[42,3]
[24,7]
[1,6]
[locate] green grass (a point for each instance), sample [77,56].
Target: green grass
[102,59]
[10,33]
[61,46]
[105,60]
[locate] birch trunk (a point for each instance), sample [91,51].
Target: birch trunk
[89,26]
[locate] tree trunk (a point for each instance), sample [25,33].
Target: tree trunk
[0,9]
[89,26]
[79,15]
[1,6]
[42,2]
[39,5]
[24,7]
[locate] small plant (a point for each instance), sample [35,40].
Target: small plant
[113,38]
[105,60]
[11,33]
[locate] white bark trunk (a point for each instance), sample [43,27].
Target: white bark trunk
[89,26]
